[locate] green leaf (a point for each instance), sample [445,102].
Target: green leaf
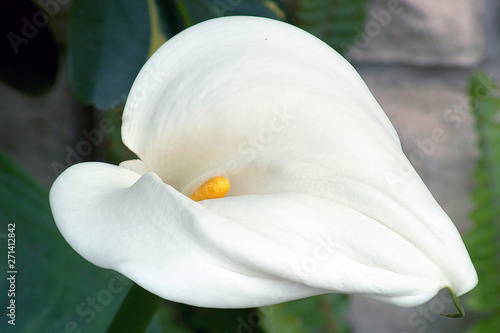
[139,306]
[209,320]
[28,53]
[167,320]
[136,311]
[108,43]
[483,241]
[336,22]
[56,290]
[195,11]
[181,318]
[323,313]
[170,19]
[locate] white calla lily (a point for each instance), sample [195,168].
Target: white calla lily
[322,198]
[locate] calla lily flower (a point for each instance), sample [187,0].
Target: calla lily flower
[320,197]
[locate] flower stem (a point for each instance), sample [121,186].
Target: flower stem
[136,311]
[461,311]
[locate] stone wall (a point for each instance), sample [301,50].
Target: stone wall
[417,60]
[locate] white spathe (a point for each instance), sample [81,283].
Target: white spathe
[322,197]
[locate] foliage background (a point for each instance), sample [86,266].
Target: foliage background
[105,46]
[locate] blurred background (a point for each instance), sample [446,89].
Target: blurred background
[66,66]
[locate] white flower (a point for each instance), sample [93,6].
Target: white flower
[322,198]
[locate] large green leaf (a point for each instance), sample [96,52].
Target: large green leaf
[336,22]
[170,20]
[55,289]
[323,313]
[483,241]
[28,53]
[195,11]
[108,42]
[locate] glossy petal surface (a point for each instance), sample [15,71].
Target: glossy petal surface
[322,198]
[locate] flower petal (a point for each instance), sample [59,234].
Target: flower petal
[312,160]
[148,231]
[275,110]
[137,166]
[230,89]
[366,256]
[239,251]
